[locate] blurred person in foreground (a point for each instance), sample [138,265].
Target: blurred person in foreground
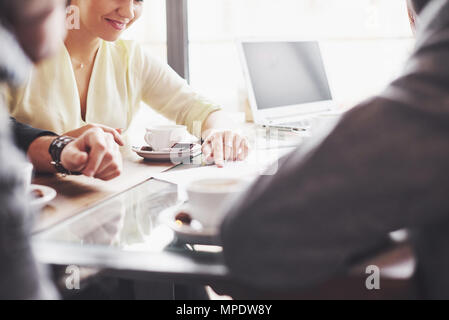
[383,168]
[30,31]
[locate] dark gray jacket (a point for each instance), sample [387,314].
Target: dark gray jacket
[383,168]
[20,276]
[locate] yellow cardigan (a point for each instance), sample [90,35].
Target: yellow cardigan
[123,75]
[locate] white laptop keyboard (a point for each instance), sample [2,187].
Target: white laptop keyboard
[294,132]
[302,124]
[306,122]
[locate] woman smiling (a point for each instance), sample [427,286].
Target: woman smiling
[98,79]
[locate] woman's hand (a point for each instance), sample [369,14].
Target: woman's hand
[220,144]
[116,133]
[225,145]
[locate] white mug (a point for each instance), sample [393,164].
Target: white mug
[164,137]
[209,198]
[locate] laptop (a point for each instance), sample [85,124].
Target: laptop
[287,82]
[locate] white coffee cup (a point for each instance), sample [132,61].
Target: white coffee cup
[164,137]
[208,198]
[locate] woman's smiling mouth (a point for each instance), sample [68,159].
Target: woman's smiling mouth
[118,25]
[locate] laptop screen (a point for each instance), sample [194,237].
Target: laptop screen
[286,73]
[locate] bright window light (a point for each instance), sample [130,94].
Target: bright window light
[365,42]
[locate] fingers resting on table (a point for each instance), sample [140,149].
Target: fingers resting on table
[226,145]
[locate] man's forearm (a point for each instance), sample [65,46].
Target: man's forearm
[381,170]
[24,134]
[39,156]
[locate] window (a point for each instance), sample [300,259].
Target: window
[151,32]
[364,42]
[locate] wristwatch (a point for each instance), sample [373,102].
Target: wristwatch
[55,151]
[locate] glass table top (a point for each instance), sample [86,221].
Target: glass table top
[126,233]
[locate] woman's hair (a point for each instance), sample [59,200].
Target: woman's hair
[418,5]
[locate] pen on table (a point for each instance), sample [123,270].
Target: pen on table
[285,129]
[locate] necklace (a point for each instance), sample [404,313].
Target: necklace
[79,64]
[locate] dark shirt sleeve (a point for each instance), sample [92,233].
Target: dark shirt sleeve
[383,168]
[24,134]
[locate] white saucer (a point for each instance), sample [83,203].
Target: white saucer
[193,234]
[165,155]
[49,195]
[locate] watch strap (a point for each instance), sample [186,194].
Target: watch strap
[55,150]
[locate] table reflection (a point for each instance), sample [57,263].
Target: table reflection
[129,221]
